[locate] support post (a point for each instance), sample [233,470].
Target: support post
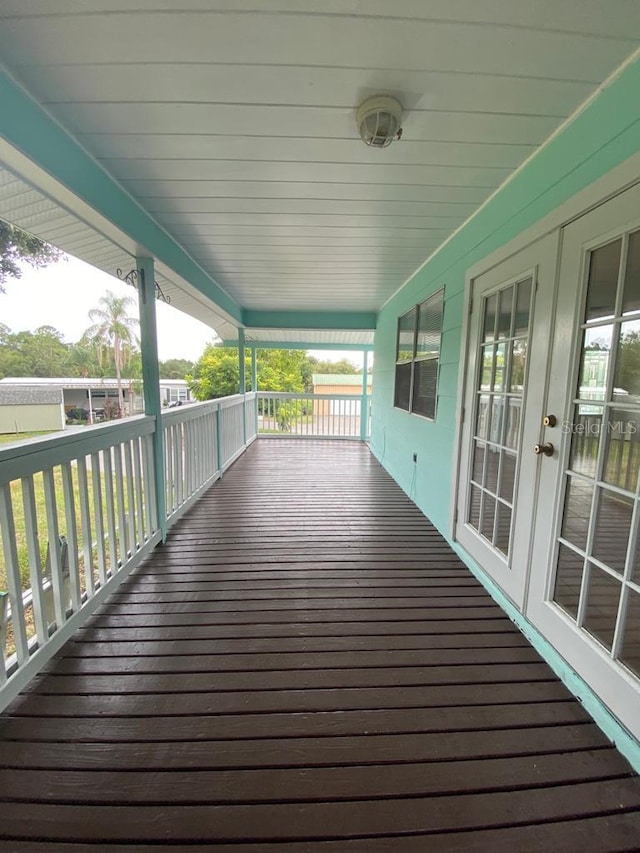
[254,382]
[151,378]
[243,383]
[364,405]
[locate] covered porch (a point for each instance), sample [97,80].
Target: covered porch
[306,665]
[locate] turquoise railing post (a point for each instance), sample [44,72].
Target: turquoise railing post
[364,405]
[243,381]
[151,378]
[254,382]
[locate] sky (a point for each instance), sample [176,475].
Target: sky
[62,294]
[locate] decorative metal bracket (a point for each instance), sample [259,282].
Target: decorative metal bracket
[132,278]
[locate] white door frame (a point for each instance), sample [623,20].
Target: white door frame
[537,261]
[612,183]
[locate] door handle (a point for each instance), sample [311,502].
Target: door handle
[545,449]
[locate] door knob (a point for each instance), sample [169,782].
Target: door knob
[549,420]
[545,449]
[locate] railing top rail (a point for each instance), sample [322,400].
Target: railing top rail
[38,454]
[191,411]
[188,412]
[278,395]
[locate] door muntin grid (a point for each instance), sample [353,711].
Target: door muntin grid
[596,579]
[498,409]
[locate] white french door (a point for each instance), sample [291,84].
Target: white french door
[505,384]
[584,591]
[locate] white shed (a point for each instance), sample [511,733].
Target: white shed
[30,409]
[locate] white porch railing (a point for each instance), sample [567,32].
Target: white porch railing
[79,510]
[313,415]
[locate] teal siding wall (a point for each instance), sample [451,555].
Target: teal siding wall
[601,137]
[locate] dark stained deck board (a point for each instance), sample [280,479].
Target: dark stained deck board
[306,666]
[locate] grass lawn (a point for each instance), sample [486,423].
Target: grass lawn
[10,437]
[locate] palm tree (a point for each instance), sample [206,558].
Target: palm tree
[112,331]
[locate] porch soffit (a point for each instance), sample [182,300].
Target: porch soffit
[229,126]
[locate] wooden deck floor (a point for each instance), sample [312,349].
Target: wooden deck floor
[306,666]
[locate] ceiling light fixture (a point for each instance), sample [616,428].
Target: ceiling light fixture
[378,120]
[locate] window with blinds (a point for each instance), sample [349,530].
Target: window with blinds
[418,357]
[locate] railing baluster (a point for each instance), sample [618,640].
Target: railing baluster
[4,619]
[71,535]
[150,483]
[110,506]
[122,513]
[35,560]
[96,489]
[12,567]
[85,525]
[131,501]
[57,580]
[142,531]
[177,450]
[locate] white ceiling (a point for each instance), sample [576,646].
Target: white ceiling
[233,123]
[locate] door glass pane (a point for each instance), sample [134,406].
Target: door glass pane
[613,526]
[603,599]
[523,307]
[478,463]
[518,365]
[488,516]
[483,416]
[488,358]
[491,474]
[596,353]
[490,310]
[631,300]
[474,507]
[627,375]
[585,439]
[507,476]
[514,413]
[577,511]
[505,313]
[630,654]
[604,265]
[503,528]
[622,456]
[569,571]
[500,355]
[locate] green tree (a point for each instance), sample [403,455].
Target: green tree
[315,365]
[113,333]
[217,372]
[40,353]
[16,246]
[175,368]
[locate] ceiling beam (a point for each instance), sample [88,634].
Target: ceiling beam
[326,320]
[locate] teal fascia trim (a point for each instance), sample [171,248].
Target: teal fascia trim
[303,345]
[624,741]
[151,378]
[29,129]
[325,320]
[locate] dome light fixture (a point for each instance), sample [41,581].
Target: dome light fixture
[378,120]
